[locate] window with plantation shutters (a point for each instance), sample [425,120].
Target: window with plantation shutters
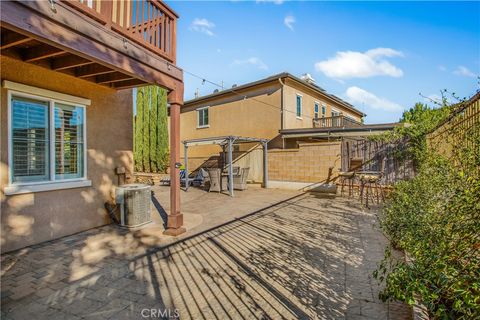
[30,140]
[68,141]
[47,140]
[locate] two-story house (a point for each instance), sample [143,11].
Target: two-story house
[67,69]
[262,109]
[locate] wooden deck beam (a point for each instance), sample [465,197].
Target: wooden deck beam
[96,43]
[112,77]
[128,84]
[41,52]
[69,62]
[92,70]
[12,39]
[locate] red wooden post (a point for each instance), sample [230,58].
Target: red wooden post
[175,218]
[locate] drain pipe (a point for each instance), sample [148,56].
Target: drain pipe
[281,110]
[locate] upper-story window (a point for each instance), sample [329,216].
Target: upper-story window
[324,109]
[315,110]
[47,139]
[299,106]
[202,118]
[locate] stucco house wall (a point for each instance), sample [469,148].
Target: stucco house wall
[32,218]
[309,97]
[253,116]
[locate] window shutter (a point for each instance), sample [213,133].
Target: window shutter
[69,146]
[30,140]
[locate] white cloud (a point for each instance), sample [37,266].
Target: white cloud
[203,25]
[254,61]
[464,71]
[354,64]
[289,21]
[272,1]
[358,95]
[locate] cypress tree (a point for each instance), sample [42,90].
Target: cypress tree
[146,129]
[162,130]
[153,128]
[138,135]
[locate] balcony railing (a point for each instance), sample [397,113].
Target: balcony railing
[150,23]
[335,122]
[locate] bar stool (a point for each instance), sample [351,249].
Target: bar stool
[367,183]
[347,178]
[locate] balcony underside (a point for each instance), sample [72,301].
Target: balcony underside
[65,41]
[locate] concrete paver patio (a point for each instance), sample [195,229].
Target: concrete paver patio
[304,257]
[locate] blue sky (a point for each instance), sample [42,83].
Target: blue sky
[377,55]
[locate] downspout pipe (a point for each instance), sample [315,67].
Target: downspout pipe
[281,104]
[281,110]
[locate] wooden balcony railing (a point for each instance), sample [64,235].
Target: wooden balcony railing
[335,122]
[150,23]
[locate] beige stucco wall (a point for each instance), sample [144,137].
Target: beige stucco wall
[232,115]
[309,163]
[309,97]
[35,217]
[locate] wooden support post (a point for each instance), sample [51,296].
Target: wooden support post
[175,218]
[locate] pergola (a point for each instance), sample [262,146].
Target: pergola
[227,142]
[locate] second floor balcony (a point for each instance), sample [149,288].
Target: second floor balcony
[150,23]
[339,121]
[119,44]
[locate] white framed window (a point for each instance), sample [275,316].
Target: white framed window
[46,140]
[315,110]
[299,106]
[324,109]
[202,118]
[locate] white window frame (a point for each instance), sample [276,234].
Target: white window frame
[324,107]
[317,112]
[198,118]
[299,117]
[52,97]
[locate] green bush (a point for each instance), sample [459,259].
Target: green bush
[435,219]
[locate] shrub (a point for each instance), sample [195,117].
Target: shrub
[435,219]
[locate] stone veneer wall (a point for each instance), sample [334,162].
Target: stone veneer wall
[309,163]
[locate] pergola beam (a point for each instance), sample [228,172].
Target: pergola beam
[228,142]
